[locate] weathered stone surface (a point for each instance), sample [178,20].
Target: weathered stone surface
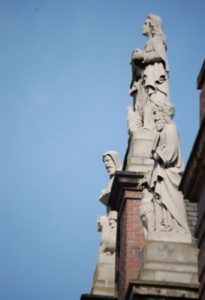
[169,236]
[104,279]
[107,225]
[138,159]
[149,290]
[96,297]
[169,262]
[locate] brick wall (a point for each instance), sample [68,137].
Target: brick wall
[191,211]
[131,241]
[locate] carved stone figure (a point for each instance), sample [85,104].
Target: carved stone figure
[112,163]
[107,225]
[150,70]
[166,202]
[147,212]
[104,277]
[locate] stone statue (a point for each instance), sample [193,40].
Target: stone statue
[107,225]
[104,277]
[162,206]
[112,163]
[150,70]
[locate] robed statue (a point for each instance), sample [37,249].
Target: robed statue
[112,163]
[162,206]
[150,70]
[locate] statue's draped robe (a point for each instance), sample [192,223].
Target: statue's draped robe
[153,86]
[105,193]
[167,173]
[155,77]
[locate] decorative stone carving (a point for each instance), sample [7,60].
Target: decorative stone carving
[150,70]
[107,225]
[162,206]
[104,277]
[112,163]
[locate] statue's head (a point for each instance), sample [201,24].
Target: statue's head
[152,25]
[112,219]
[163,114]
[112,162]
[159,121]
[112,215]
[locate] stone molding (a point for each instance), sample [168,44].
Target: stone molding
[123,180]
[149,290]
[96,297]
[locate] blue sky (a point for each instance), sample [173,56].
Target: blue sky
[64,79]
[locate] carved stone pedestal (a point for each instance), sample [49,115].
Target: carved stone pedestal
[169,262]
[104,278]
[168,271]
[139,151]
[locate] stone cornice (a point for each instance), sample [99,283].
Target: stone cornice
[145,290]
[96,297]
[123,180]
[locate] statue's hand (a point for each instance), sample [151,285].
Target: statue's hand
[145,181]
[155,156]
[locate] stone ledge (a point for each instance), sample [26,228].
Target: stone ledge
[151,290]
[168,262]
[96,297]
[123,180]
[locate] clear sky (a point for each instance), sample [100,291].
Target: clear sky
[64,79]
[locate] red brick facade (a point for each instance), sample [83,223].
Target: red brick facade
[131,241]
[125,198]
